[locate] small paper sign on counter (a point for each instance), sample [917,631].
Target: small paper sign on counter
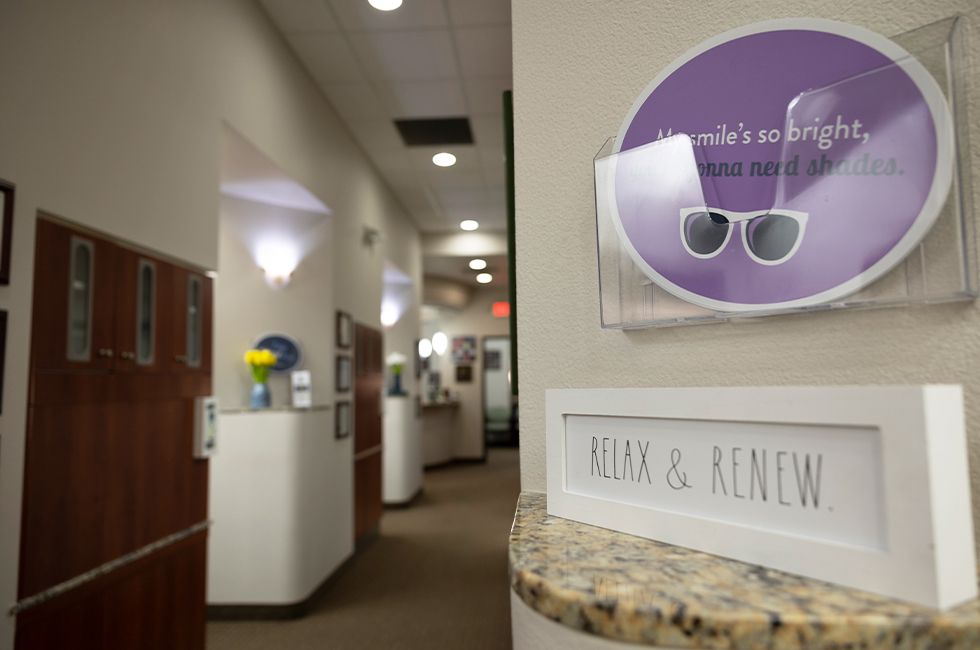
[866,487]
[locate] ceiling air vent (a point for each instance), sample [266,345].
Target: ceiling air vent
[437,131]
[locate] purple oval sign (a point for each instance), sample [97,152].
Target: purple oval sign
[782,164]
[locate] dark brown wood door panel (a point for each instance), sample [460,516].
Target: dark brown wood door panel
[109,464]
[52,283]
[119,477]
[368,386]
[156,603]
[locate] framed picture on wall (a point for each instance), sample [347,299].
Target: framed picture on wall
[3,352]
[345,330]
[6,228]
[343,373]
[343,427]
[464,374]
[464,350]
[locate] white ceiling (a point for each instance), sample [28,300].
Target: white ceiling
[457,268]
[428,58]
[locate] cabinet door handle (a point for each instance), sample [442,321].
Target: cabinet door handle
[128,356]
[105,352]
[180,358]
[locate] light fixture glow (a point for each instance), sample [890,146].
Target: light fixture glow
[389,314]
[278,259]
[444,159]
[440,343]
[484,278]
[385,5]
[425,348]
[469,224]
[478,264]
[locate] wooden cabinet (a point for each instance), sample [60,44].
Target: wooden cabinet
[121,310]
[121,346]
[192,297]
[74,288]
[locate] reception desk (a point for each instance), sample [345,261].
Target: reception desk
[281,494]
[402,455]
[439,425]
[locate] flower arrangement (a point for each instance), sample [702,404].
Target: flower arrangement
[259,362]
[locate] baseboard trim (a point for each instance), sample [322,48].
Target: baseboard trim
[262,612]
[398,505]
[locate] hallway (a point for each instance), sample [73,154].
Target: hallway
[435,578]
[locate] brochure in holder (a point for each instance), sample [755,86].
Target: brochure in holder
[791,166]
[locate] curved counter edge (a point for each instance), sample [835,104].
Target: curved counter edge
[625,588]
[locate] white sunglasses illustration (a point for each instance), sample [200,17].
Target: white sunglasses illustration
[770,237]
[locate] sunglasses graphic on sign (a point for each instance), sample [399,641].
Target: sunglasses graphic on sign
[770,237]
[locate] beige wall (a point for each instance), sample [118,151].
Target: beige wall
[578,66]
[246,307]
[111,115]
[476,320]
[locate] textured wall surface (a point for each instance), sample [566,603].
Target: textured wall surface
[578,67]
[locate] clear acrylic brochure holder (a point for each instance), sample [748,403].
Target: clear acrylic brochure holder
[941,268]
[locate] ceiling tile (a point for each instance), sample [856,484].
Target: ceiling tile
[301,15]
[356,101]
[327,56]
[484,51]
[479,12]
[395,163]
[455,178]
[377,134]
[484,96]
[358,15]
[494,166]
[440,98]
[402,56]
[488,131]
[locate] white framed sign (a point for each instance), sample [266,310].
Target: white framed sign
[866,487]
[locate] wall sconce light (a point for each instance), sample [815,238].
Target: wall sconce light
[389,314]
[278,260]
[425,348]
[440,343]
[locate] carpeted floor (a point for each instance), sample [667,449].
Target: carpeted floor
[435,578]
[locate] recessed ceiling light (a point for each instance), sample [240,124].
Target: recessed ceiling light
[469,224]
[478,265]
[484,278]
[385,5]
[444,159]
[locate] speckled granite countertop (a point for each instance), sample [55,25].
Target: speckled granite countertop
[631,589]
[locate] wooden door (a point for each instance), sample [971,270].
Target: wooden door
[74,287]
[368,387]
[110,481]
[144,308]
[192,301]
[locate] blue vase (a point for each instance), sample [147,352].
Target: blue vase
[260,397]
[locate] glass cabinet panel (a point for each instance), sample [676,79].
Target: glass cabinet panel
[80,278]
[194,325]
[145,312]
